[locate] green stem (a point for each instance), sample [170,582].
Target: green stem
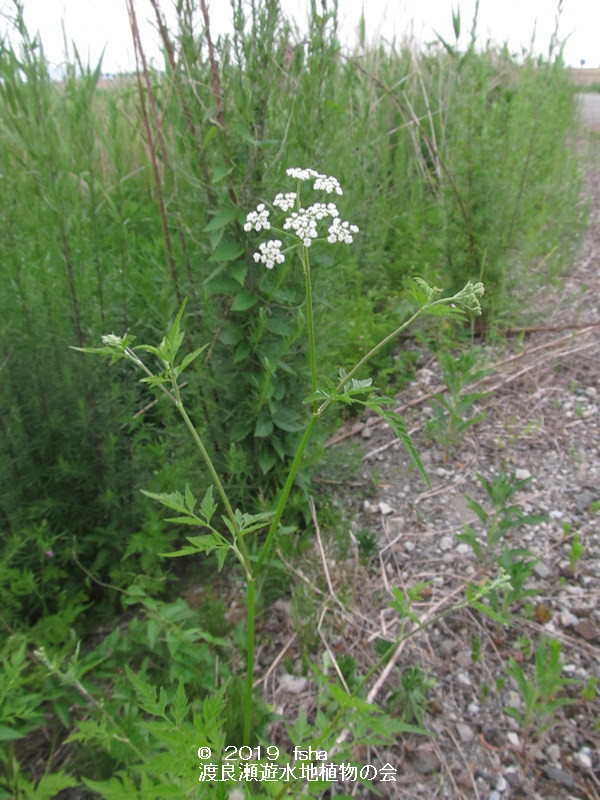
[312,350]
[264,551]
[370,355]
[239,539]
[250,636]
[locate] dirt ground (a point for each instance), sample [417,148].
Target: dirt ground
[541,425]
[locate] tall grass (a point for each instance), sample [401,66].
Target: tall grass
[119,202]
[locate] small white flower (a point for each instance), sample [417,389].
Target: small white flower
[270,253]
[327,183]
[320,210]
[112,340]
[301,174]
[258,220]
[341,232]
[304,225]
[285,201]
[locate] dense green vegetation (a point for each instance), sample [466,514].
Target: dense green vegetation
[121,199]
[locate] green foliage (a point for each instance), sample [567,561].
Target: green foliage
[501,518]
[459,165]
[519,569]
[451,412]
[120,202]
[540,693]
[409,699]
[367,546]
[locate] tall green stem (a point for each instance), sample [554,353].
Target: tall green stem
[264,552]
[250,646]
[312,350]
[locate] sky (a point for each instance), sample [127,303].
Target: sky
[95,25]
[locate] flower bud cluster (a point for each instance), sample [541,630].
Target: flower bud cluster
[258,220]
[270,253]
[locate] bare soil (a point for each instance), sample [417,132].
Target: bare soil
[541,422]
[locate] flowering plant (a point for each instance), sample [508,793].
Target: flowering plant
[231,534]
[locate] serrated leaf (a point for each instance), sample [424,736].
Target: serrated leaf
[116,788]
[187,360]
[190,500]
[184,551]
[172,500]
[398,425]
[50,785]
[188,520]
[208,505]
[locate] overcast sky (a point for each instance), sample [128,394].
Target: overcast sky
[97,24]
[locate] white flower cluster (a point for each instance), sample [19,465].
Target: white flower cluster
[327,183]
[304,222]
[322,183]
[301,174]
[301,223]
[258,220]
[285,201]
[341,232]
[270,253]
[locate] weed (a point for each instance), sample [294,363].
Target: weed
[451,411]
[540,694]
[502,517]
[409,699]
[367,546]
[576,552]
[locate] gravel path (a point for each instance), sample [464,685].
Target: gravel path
[590,110]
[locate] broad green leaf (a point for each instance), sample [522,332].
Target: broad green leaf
[220,220]
[9,734]
[242,351]
[264,426]
[221,172]
[227,250]
[287,419]
[266,460]
[239,270]
[244,300]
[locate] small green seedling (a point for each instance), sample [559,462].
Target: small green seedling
[540,694]
[409,699]
[502,517]
[452,409]
[575,553]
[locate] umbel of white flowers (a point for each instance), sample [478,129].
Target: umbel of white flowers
[302,223]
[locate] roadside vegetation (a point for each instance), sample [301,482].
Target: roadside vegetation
[123,204]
